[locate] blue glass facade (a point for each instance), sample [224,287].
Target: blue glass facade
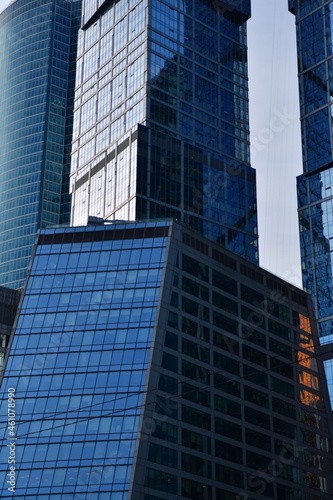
[79,360]
[161,117]
[314,25]
[150,364]
[38,41]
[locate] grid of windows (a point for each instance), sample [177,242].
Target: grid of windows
[78,364]
[125,384]
[36,91]
[164,83]
[240,392]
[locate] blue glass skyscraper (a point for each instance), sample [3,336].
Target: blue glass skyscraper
[38,40]
[314,26]
[161,117]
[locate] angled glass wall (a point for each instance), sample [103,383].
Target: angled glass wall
[161,117]
[37,58]
[79,359]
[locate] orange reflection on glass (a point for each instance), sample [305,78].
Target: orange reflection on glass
[304,323]
[309,380]
[309,399]
[306,359]
[306,342]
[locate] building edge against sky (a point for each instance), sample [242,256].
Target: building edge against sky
[179,70]
[149,362]
[314,28]
[9,300]
[38,51]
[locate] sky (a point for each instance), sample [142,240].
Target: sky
[275,133]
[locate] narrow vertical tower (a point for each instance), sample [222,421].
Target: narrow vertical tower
[314,25]
[37,60]
[161,123]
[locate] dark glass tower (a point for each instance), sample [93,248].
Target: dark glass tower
[161,117]
[9,300]
[314,25]
[148,363]
[38,40]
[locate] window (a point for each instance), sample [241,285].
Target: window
[196,441]
[196,465]
[196,417]
[224,283]
[195,372]
[255,376]
[228,429]
[258,439]
[166,431]
[279,329]
[226,363]
[284,428]
[229,476]
[171,341]
[255,356]
[227,385]
[195,268]
[168,384]
[195,351]
[284,369]
[163,455]
[161,480]
[225,303]
[195,490]
[225,323]
[226,343]
[283,387]
[252,297]
[170,362]
[196,395]
[227,406]
[256,397]
[193,328]
[284,407]
[195,289]
[228,451]
[256,417]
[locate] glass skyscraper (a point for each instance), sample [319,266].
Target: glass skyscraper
[161,117]
[314,26]
[148,363]
[38,42]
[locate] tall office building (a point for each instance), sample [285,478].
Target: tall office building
[38,40]
[314,28]
[161,117]
[148,363]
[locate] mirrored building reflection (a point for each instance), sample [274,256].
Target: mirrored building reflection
[38,40]
[314,28]
[161,126]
